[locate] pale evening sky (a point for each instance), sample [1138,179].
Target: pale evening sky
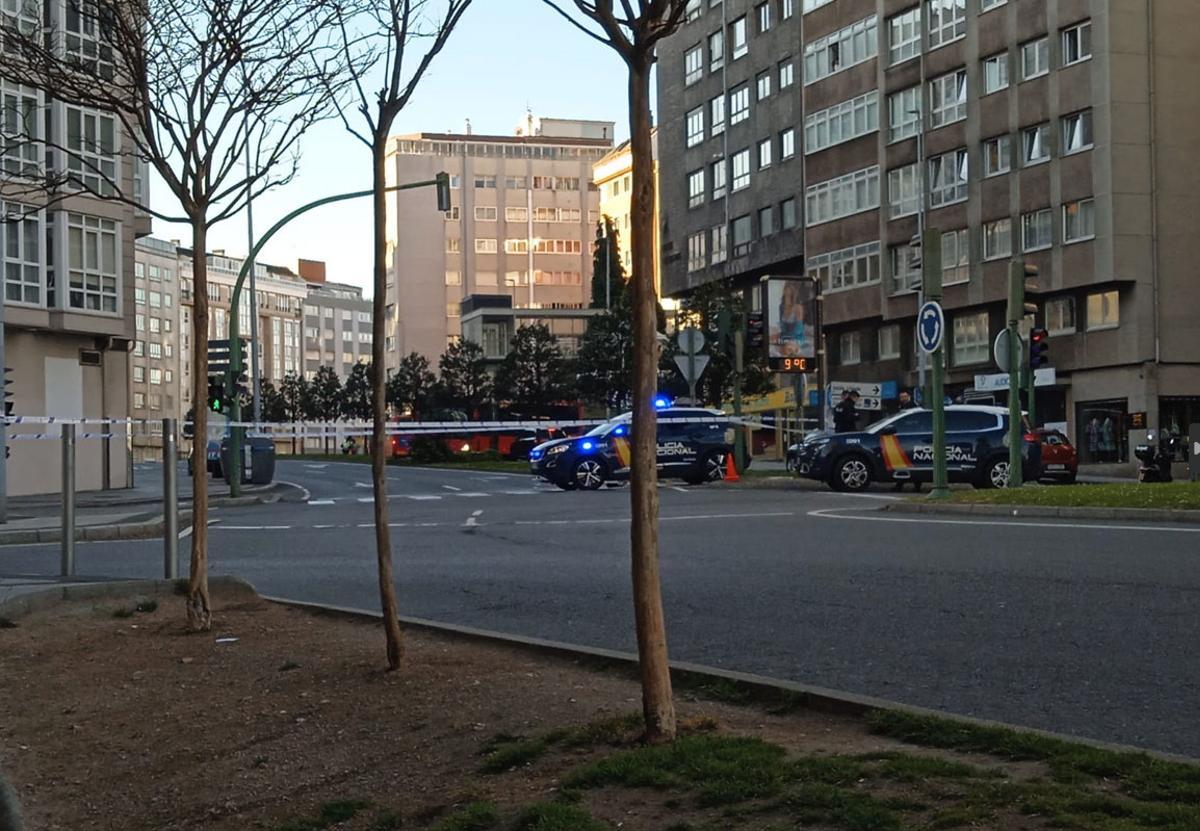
[504,56]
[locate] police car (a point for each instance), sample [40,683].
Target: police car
[693,445]
[900,449]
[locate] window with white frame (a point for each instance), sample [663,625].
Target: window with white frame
[485,245]
[846,268]
[740,162]
[1037,230]
[904,35]
[22,238]
[763,13]
[841,122]
[947,21]
[850,348]
[716,50]
[743,232]
[948,98]
[1077,43]
[20,129]
[889,342]
[92,262]
[91,149]
[997,239]
[995,73]
[997,155]
[485,181]
[764,155]
[948,178]
[737,38]
[841,49]
[695,126]
[809,5]
[956,256]
[787,143]
[716,109]
[697,255]
[904,191]
[1035,144]
[155,325]
[904,113]
[1103,310]
[693,65]
[517,214]
[720,243]
[717,172]
[516,245]
[1035,58]
[156,350]
[85,39]
[787,73]
[139,398]
[485,213]
[988,5]
[1060,316]
[1079,220]
[692,10]
[902,269]
[842,196]
[139,374]
[971,344]
[763,85]
[1076,131]
[696,188]
[739,104]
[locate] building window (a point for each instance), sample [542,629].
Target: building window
[1079,220]
[1035,144]
[766,221]
[904,36]
[956,257]
[156,350]
[995,73]
[92,150]
[1077,132]
[787,73]
[454,278]
[988,5]
[904,191]
[787,8]
[787,214]
[1036,230]
[21,151]
[997,156]
[486,182]
[1077,43]
[787,143]
[948,98]
[85,43]
[697,256]
[139,374]
[92,270]
[720,244]
[763,84]
[696,188]
[1103,310]
[695,127]
[947,21]
[485,213]
[692,10]
[518,245]
[21,242]
[971,344]
[516,214]
[739,104]
[997,239]
[904,113]
[948,178]
[453,310]
[847,268]
[741,170]
[889,342]
[841,49]
[717,112]
[842,196]
[485,245]
[139,400]
[139,321]
[139,296]
[716,50]
[156,301]
[453,245]
[902,268]
[743,232]
[1060,316]
[764,156]
[844,121]
[452,214]
[510,182]
[764,17]
[693,65]
[155,325]
[718,179]
[1035,58]
[155,376]
[139,348]
[737,38]
[850,348]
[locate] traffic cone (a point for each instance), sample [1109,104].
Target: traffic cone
[731,472]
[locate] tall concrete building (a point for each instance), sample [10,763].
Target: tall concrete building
[521,225]
[1060,131]
[155,375]
[337,328]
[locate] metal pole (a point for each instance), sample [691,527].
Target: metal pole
[922,357]
[1030,395]
[739,348]
[931,283]
[170,501]
[691,375]
[255,380]
[68,500]
[1016,307]
[3,415]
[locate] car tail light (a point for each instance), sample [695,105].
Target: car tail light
[1032,437]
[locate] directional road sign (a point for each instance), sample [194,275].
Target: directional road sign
[931,326]
[697,363]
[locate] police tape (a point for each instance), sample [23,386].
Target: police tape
[58,436]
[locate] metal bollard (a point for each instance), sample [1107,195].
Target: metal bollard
[68,500]
[170,501]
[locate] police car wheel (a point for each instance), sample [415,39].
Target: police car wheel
[714,467]
[995,475]
[852,474]
[589,474]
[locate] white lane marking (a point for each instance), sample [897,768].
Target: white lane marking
[322,527]
[677,488]
[451,488]
[523,493]
[829,513]
[472,494]
[423,497]
[689,517]
[320,502]
[364,484]
[366,499]
[317,467]
[472,520]
[871,496]
[305,493]
[187,532]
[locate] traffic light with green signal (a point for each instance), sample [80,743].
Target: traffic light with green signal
[216,394]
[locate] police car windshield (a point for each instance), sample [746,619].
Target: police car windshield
[602,429]
[883,422]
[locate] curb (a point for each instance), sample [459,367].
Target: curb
[735,687]
[26,604]
[1171,515]
[90,533]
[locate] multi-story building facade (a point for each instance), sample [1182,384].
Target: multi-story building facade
[337,328]
[155,375]
[1053,130]
[522,222]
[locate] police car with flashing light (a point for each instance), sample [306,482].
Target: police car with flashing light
[693,445]
[899,448]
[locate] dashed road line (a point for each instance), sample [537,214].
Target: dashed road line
[451,488]
[836,513]
[321,502]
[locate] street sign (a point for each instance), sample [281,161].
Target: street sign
[697,363]
[870,393]
[931,326]
[1044,377]
[690,340]
[1000,350]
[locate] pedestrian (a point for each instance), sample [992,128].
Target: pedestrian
[906,402]
[845,414]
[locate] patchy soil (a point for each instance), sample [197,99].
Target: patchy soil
[111,717]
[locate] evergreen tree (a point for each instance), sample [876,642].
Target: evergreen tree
[606,260]
[465,383]
[412,386]
[273,406]
[294,393]
[356,396]
[534,374]
[325,396]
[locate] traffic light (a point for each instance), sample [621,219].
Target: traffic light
[1031,289]
[755,333]
[216,394]
[1039,344]
[241,385]
[1022,288]
[8,404]
[443,191]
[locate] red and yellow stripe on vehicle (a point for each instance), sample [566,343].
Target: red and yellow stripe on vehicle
[621,446]
[894,457]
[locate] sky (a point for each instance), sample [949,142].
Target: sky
[504,56]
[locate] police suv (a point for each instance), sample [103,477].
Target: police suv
[900,449]
[693,445]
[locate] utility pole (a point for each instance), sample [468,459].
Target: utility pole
[1016,312]
[739,365]
[254,344]
[931,285]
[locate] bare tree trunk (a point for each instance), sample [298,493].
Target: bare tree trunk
[199,608]
[657,704]
[383,543]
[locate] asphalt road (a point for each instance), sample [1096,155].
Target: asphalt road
[1086,628]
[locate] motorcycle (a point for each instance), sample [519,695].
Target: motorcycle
[1155,459]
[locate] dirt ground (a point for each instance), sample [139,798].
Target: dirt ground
[113,719]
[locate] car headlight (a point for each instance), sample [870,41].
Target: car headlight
[558,448]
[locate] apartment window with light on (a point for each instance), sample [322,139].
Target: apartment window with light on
[904,113]
[737,34]
[904,36]
[1077,43]
[948,178]
[850,348]
[997,239]
[741,170]
[1036,230]
[947,21]
[1103,310]
[1079,220]
[1076,130]
[904,191]
[739,104]
[956,257]
[997,156]
[995,73]
[971,344]
[696,188]
[695,127]
[693,65]
[1035,58]
[1035,144]
[1060,316]
[948,98]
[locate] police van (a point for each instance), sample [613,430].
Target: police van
[694,445]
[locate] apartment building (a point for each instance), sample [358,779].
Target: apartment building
[1055,130]
[337,328]
[522,223]
[155,375]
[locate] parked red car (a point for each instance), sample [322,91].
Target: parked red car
[1060,462]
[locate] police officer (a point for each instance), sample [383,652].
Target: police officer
[845,414]
[906,402]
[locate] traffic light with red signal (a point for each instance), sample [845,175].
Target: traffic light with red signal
[1039,345]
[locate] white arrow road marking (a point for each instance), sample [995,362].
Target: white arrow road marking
[472,520]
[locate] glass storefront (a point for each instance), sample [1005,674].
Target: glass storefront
[1100,434]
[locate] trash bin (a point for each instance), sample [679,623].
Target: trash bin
[262,461]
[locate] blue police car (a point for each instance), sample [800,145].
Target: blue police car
[693,445]
[899,448]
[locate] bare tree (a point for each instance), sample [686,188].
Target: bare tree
[633,29]
[388,45]
[196,87]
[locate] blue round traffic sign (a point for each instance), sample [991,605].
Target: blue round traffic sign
[931,326]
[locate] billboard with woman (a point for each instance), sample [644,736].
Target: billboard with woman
[791,323]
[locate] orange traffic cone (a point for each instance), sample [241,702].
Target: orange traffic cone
[731,473]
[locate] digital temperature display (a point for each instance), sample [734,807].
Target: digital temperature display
[788,364]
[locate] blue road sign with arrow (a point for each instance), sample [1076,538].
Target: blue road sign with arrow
[931,326]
